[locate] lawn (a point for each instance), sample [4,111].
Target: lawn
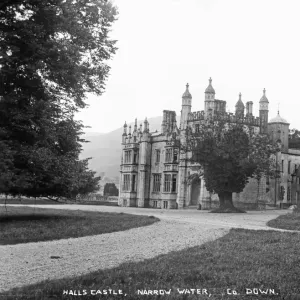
[43,201]
[29,224]
[290,221]
[24,201]
[243,261]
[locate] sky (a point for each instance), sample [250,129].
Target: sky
[243,45]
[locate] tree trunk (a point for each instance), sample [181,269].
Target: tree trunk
[226,200]
[226,204]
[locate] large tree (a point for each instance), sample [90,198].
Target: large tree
[229,154]
[52,52]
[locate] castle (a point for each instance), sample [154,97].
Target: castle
[154,174]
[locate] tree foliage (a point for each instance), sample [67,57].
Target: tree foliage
[294,139]
[110,189]
[229,154]
[52,52]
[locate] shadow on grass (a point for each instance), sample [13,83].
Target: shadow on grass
[27,224]
[29,218]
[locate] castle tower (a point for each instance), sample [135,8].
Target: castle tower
[263,112]
[278,129]
[239,107]
[209,99]
[186,107]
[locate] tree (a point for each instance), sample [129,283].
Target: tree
[52,52]
[110,189]
[294,139]
[229,154]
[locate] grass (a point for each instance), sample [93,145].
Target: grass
[240,260]
[28,224]
[40,201]
[29,201]
[290,221]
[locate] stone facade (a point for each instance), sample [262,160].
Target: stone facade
[154,174]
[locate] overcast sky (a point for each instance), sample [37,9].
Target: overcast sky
[244,45]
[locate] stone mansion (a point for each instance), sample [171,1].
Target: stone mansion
[154,174]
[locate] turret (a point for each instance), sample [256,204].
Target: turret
[186,107]
[239,107]
[135,126]
[263,112]
[144,161]
[278,129]
[124,135]
[146,126]
[135,131]
[209,99]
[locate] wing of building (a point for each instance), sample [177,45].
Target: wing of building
[152,173]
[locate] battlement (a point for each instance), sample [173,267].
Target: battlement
[229,117]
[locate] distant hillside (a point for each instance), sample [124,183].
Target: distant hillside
[105,149]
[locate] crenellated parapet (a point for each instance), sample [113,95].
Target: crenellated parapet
[196,116]
[229,117]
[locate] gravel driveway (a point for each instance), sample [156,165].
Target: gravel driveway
[30,263]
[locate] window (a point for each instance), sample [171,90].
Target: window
[156,182]
[165,204]
[168,154]
[171,155]
[127,157]
[288,194]
[126,182]
[170,184]
[133,183]
[197,128]
[167,186]
[174,183]
[175,155]
[157,156]
[282,192]
[155,203]
[289,167]
[282,164]
[135,157]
